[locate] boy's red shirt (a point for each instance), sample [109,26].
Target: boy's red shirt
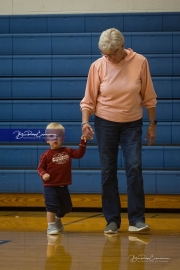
[57,163]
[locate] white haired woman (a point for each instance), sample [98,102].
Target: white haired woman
[119,84]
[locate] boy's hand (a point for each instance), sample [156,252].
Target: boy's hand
[83,138]
[46,177]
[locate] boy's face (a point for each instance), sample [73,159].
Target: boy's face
[55,138]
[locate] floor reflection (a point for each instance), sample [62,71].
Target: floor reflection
[25,245]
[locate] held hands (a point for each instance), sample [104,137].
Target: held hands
[46,177]
[151,134]
[83,138]
[87,131]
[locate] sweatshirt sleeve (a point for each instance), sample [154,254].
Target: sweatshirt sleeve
[92,89]
[79,153]
[147,89]
[42,165]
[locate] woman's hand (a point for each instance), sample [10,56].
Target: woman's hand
[87,131]
[151,134]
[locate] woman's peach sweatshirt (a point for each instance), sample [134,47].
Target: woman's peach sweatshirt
[117,92]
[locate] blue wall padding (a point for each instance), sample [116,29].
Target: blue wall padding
[34,65]
[69,110]
[167,132]
[71,43]
[6,44]
[28,44]
[71,87]
[44,64]
[153,157]
[28,181]
[152,42]
[168,182]
[87,23]
[6,66]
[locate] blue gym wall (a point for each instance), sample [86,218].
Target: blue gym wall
[44,62]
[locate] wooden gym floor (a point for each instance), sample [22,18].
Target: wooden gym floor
[83,246]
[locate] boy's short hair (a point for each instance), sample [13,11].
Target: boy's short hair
[55,125]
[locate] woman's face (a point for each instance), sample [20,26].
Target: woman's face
[115,56]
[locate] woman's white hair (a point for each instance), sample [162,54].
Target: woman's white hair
[110,40]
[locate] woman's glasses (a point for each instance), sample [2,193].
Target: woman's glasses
[110,55]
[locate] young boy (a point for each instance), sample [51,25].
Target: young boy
[55,170]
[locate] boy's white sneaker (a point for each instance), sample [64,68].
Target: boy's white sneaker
[52,229]
[59,225]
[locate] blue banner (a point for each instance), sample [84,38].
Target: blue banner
[22,135]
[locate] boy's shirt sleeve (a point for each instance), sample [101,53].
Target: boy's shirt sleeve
[42,165]
[79,153]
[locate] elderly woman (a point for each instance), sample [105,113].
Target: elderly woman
[119,84]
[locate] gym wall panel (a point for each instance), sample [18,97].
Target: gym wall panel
[31,44]
[18,157]
[164,111]
[12,181]
[31,88]
[32,65]
[66,24]
[168,182]
[142,22]
[91,158]
[4,24]
[149,178]
[176,42]
[28,24]
[5,132]
[70,65]
[153,157]
[79,43]
[163,133]
[71,87]
[171,157]
[6,112]
[176,110]
[163,86]
[176,65]
[32,110]
[171,21]
[85,182]
[6,66]
[66,110]
[5,44]
[160,64]
[176,132]
[176,87]
[5,88]
[152,42]
[101,22]
[32,182]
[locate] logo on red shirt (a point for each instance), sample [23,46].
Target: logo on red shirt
[60,158]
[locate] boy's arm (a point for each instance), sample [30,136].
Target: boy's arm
[42,165]
[79,153]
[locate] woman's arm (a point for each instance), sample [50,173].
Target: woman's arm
[87,130]
[151,131]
